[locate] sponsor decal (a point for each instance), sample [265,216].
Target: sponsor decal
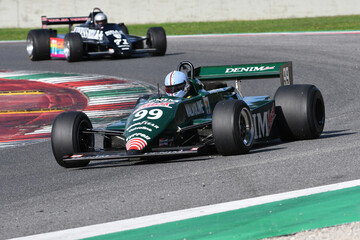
[57,47]
[136,144]
[263,122]
[163,99]
[140,128]
[89,33]
[115,33]
[193,109]
[154,104]
[249,69]
[146,123]
[137,135]
[207,105]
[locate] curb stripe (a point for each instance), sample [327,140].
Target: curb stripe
[108,100]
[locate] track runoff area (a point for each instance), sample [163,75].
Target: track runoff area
[254,218]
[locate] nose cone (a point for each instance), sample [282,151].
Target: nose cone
[136,144]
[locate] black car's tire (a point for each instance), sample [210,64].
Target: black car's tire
[233,127]
[156,38]
[301,112]
[38,44]
[67,137]
[73,47]
[123,28]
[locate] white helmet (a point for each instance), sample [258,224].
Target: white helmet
[100,19]
[176,84]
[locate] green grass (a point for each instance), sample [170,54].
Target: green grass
[278,25]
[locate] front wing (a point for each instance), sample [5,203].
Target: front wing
[122,155]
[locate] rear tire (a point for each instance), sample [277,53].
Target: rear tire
[301,112]
[156,38]
[67,137]
[38,44]
[233,127]
[73,47]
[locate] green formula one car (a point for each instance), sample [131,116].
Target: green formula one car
[216,116]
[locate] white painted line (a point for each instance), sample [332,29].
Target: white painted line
[264,34]
[241,35]
[139,222]
[13,41]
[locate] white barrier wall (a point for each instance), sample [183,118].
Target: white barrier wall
[26,13]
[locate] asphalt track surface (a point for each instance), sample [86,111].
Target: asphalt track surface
[39,196]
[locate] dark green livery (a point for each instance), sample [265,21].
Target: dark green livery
[216,117]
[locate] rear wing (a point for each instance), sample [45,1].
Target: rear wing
[282,70]
[45,21]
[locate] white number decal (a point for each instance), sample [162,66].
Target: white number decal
[154,114]
[121,41]
[140,114]
[117,41]
[286,76]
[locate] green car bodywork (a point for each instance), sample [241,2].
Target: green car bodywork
[157,122]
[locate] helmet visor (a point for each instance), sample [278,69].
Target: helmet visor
[102,22]
[175,88]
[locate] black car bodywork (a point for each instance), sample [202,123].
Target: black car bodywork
[89,39]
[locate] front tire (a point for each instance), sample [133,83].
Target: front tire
[73,47]
[301,112]
[67,137]
[156,38]
[233,127]
[38,44]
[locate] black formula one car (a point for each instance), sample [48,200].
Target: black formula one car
[215,117]
[90,39]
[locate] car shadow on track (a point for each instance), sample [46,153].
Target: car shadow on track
[128,163]
[273,145]
[336,133]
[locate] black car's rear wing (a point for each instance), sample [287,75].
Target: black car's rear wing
[282,70]
[45,21]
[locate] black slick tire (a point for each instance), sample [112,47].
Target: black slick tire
[67,137]
[301,112]
[73,47]
[156,38]
[233,127]
[38,44]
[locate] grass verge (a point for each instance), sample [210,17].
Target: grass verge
[279,25]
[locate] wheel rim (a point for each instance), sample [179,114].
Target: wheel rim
[319,112]
[246,127]
[67,49]
[86,140]
[149,40]
[29,46]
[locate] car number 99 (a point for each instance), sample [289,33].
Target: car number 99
[152,114]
